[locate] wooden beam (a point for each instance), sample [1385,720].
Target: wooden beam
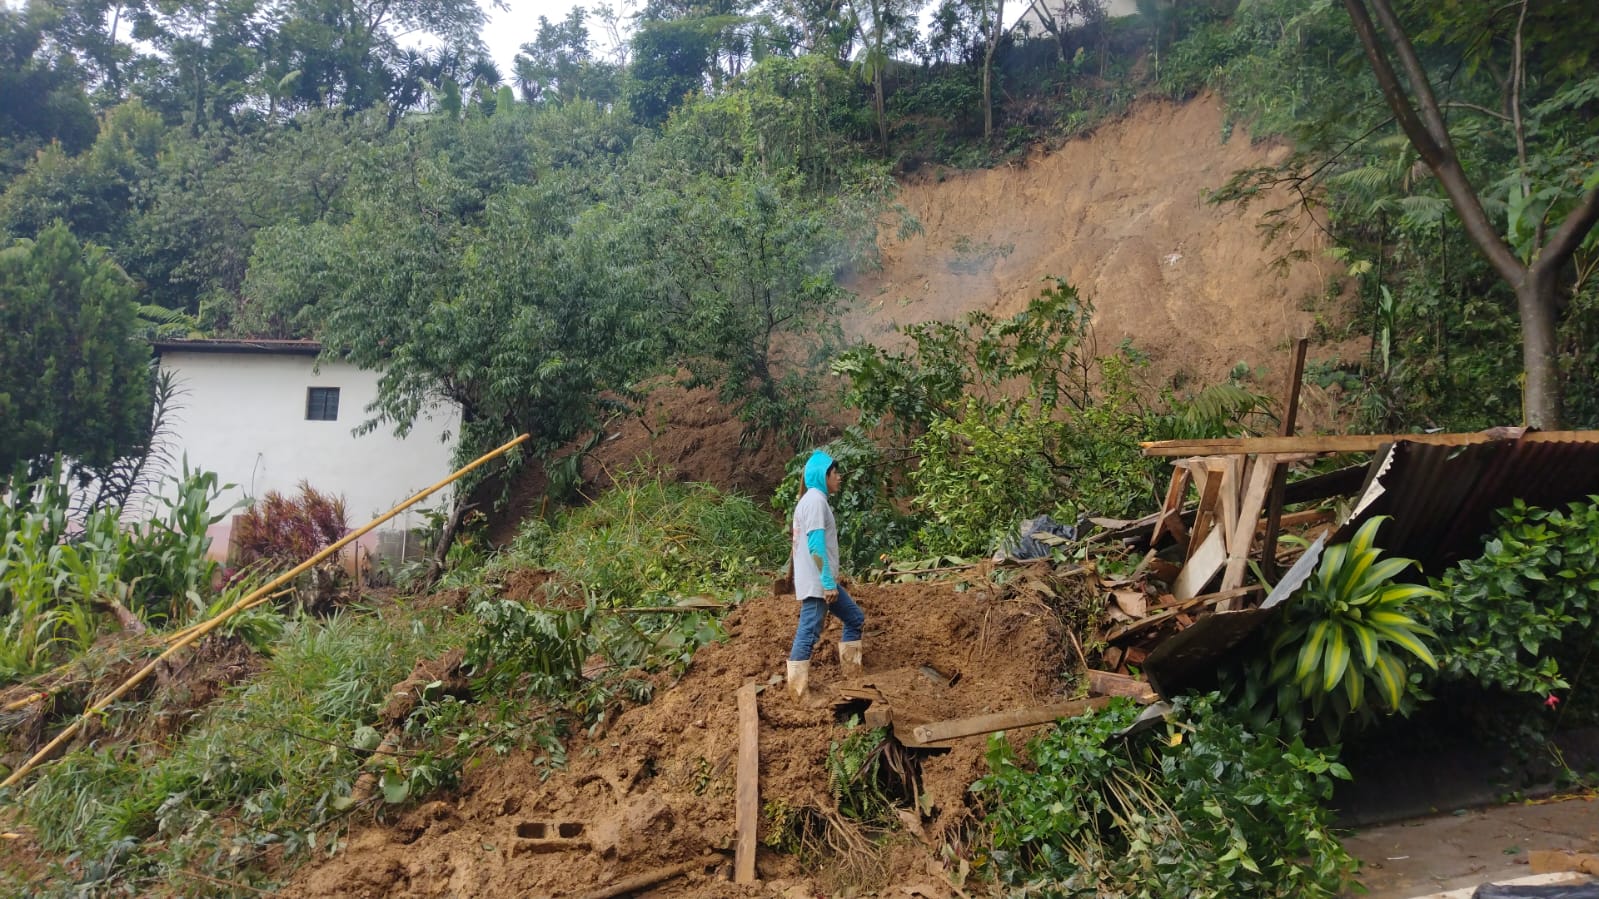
[1243,529]
[747,815]
[1209,485]
[1349,443]
[1299,519]
[1279,479]
[1109,683]
[648,879]
[939,731]
[1170,517]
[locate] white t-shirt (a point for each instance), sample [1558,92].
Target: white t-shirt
[813,513]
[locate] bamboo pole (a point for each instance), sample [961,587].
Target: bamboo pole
[244,603]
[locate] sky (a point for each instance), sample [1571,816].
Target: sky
[510,28]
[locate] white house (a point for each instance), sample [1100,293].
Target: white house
[266,415]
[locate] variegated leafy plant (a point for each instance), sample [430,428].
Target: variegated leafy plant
[1349,638]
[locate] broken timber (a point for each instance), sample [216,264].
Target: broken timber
[1173,611]
[940,731]
[651,878]
[1109,683]
[747,814]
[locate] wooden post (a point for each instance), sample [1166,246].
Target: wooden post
[747,815]
[1209,484]
[1279,479]
[1170,517]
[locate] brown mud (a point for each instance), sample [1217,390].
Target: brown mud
[656,785]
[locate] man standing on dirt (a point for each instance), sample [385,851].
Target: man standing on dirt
[817,581]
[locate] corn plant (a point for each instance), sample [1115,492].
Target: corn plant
[1347,641]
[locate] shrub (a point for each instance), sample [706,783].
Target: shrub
[1345,642]
[1528,603]
[646,537]
[283,530]
[1202,807]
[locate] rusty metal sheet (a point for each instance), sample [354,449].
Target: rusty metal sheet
[1442,498]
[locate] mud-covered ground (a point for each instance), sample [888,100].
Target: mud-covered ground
[657,785]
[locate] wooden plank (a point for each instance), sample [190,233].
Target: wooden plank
[1201,566]
[747,815]
[940,731]
[1171,611]
[1349,443]
[1205,512]
[1170,517]
[1109,683]
[1243,528]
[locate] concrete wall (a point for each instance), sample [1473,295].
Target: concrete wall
[243,416]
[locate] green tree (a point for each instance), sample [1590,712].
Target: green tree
[478,275]
[1552,193]
[96,193]
[558,66]
[884,27]
[73,380]
[44,94]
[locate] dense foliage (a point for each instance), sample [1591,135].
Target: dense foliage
[1200,805]
[54,591]
[1522,617]
[1346,646]
[1437,258]
[1004,419]
[73,380]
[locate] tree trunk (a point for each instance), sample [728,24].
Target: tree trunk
[1535,301]
[988,99]
[994,33]
[882,116]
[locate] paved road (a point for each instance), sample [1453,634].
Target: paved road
[1450,851]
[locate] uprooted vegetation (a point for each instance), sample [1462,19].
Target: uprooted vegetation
[562,713]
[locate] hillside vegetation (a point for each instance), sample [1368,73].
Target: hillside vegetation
[979,264]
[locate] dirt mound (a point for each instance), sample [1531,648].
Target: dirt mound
[687,435]
[656,787]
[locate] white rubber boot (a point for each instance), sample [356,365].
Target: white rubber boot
[799,677]
[849,658]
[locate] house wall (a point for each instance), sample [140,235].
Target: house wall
[243,416]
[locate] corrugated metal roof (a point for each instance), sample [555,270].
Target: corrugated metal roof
[1442,498]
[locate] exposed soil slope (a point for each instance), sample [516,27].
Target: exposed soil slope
[1121,215]
[657,785]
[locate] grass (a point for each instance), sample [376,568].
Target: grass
[265,766]
[263,779]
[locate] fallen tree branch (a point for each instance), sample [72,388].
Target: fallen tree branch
[651,878]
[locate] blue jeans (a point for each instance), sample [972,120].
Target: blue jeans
[813,614]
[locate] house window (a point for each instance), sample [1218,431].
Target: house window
[322,404]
